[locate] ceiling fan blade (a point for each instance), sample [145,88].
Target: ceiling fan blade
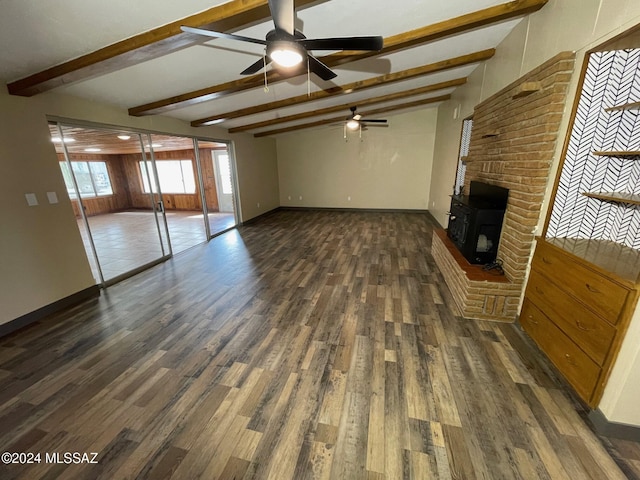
[320,69]
[256,67]
[283,14]
[209,33]
[344,43]
[372,120]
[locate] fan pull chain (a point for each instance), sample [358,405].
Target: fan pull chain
[266,87]
[308,77]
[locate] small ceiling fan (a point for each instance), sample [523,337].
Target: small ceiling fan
[355,121]
[288,47]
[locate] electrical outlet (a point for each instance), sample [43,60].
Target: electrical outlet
[348,199]
[289,197]
[300,197]
[258,204]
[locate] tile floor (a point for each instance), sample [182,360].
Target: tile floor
[128,240]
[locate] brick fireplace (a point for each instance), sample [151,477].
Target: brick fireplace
[512,145]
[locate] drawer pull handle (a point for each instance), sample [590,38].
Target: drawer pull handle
[581,326]
[592,288]
[539,290]
[569,359]
[548,262]
[532,320]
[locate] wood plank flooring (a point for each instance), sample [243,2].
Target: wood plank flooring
[307,345]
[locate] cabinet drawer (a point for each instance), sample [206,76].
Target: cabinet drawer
[603,296]
[590,332]
[579,370]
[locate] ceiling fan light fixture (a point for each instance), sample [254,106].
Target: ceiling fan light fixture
[353,124]
[285,54]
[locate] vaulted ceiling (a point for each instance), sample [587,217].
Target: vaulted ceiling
[134,55]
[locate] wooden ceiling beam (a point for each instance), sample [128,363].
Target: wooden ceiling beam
[328,121]
[351,87]
[146,46]
[345,107]
[394,43]
[445,28]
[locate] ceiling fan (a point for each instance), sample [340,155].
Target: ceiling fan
[355,121]
[288,47]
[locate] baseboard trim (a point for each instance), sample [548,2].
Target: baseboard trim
[606,428]
[39,314]
[340,209]
[345,209]
[260,217]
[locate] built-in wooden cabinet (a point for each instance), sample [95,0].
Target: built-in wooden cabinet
[577,308]
[585,274]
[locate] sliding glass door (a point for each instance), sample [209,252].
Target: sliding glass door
[141,197]
[218,185]
[112,182]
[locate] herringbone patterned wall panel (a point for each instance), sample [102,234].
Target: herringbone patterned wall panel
[612,78]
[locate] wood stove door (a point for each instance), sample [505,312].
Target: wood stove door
[458,227]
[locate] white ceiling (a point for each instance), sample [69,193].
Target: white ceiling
[36,34]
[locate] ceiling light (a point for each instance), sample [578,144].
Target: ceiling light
[154,145]
[285,54]
[92,149]
[66,139]
[124,137]
[353,124]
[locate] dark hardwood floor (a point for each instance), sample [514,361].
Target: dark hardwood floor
[310,344]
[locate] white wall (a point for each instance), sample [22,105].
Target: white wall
[42,258]
[388,168]
[562,25]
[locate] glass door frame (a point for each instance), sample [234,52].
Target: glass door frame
[83,214]
[69,122]
[235,197]
[156,205]
[166,252]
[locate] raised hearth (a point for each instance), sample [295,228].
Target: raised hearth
[478,294]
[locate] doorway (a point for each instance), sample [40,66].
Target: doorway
[139,198]
[121,226]
[218,186]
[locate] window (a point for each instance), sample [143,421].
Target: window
[465,141]
[176,176]
[225,173]
[92,179]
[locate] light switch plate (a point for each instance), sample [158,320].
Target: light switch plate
[53,197]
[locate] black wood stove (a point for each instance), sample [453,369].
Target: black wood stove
[475,221]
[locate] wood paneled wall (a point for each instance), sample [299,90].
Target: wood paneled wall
[139,199]
[120,200]
[209,179]
[128,192]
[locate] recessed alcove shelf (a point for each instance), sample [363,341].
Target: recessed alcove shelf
[625,106]
[617,197]
[490,133]
[618,153]
[527,88]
